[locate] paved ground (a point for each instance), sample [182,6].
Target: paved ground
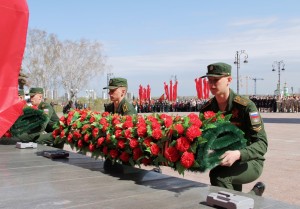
[282,165]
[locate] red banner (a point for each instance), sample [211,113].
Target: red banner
[13,26]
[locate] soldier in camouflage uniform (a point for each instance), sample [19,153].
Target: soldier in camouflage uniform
[243,166]
[117,93]
[42,135]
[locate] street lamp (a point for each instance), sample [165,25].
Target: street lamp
[237,62]
[109,75]
[279,64]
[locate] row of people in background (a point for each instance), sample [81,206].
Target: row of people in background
[263,103]
[191,105]
[277,104]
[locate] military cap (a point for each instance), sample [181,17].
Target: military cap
[116,83]
[219,69]
[36,90]
[21,92]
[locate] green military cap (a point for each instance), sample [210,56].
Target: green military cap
[116,83]
[219,69]
[21,92]
[36,90]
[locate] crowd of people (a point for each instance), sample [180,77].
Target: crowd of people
[263,103]
[277,103]
[186,105]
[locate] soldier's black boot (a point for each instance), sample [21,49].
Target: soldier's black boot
[259,188]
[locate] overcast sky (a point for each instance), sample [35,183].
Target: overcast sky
[151,42]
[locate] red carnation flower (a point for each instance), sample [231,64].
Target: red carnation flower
[194,120]
[141,129]
[83,116]
[69,120]
[92,148]
[55,133]
[171,154]
[155,125]
[105,127]
[62,134]
[118,134]
[209,115]
[182,144]
[107,138]
[193,132]
[121,143]
[105,150]
[155,150]
[85,127]
[100,141]
[127,133]
[127,124]
[115,121]
[86,137]
[105,114]
[133,143]
[137,153]
[124,156]
[167,120]
[113,153]
[69,138]
[80,143]
[62,119]
[92,119]
[179,128]
[77,134]
[156,133]
[95,132]
[147,141]
[187,159]
[102,121]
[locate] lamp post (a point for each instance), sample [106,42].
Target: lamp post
[280,66]
[237,63]
[109,75]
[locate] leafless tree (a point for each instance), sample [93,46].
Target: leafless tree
[52,63]
[80,62]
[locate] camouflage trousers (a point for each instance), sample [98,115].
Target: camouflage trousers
[235,176]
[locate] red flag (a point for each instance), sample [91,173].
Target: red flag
[13,26]
[175,91]
[148,92]
[200,88]
[144,94]
[197,88]
[166,90]
[141,93]
[205,89]
[161,98]
[171,94]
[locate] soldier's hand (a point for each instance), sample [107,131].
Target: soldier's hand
[229,157]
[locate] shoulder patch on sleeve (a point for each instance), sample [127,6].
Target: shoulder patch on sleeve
[257,129]
[255,118]
[241,100]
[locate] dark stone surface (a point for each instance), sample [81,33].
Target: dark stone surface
[29,180]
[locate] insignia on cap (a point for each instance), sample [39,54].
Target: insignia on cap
[110,81]
[211,67]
